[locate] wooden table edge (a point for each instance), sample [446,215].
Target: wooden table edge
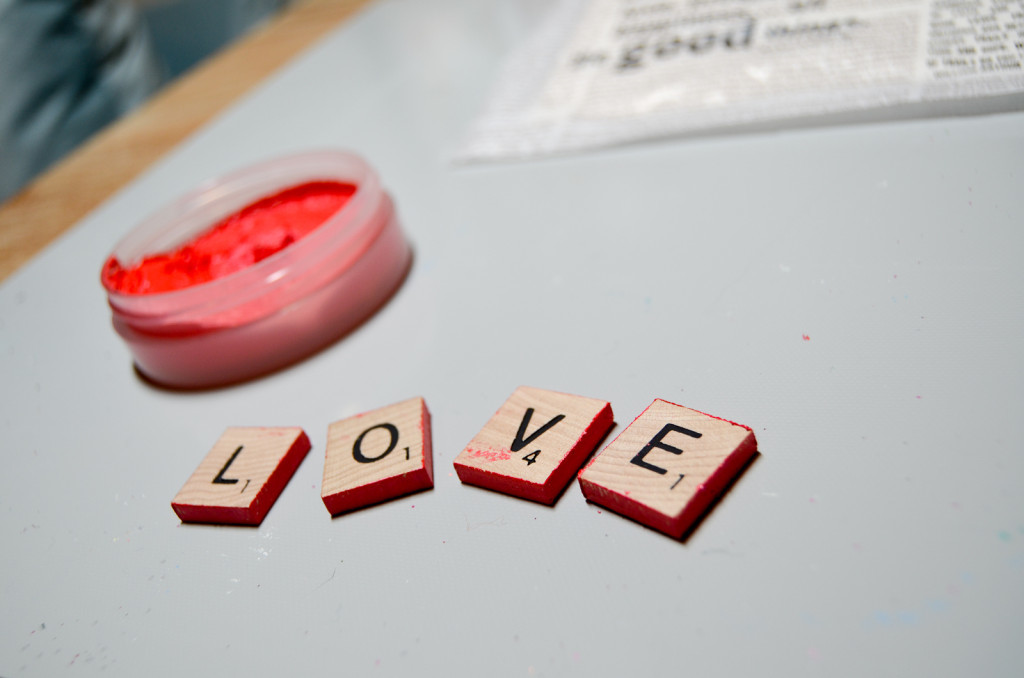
[64,194]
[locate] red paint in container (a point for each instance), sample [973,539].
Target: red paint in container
[256,270]
[238,241]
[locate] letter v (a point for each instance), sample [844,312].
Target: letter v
[520,442]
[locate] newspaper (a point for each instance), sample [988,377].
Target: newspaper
[611,71]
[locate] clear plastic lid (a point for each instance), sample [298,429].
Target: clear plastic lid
[268,285]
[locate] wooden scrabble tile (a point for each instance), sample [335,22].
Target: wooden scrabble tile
[667,466]
[377,456]
[242,476]
[534,444]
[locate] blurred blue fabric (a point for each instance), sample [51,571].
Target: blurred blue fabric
[70,67]
[67,68]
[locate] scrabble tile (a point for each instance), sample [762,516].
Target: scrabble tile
[534,444]
[242,476]
[377,456]
[666,467]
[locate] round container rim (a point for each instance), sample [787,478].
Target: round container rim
[349,227]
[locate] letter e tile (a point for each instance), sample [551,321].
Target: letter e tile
[378,455]
[242,476]
[666,467]
[534,444]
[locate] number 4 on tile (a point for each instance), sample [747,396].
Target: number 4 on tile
[555,430]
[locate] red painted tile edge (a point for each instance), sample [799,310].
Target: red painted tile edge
[389,488]
[678,525]
[379,492]
[547,492]
[261,503]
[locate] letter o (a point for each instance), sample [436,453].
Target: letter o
[357,447]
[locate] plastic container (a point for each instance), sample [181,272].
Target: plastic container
[278,310]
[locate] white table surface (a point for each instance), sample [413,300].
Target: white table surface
[853,293]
